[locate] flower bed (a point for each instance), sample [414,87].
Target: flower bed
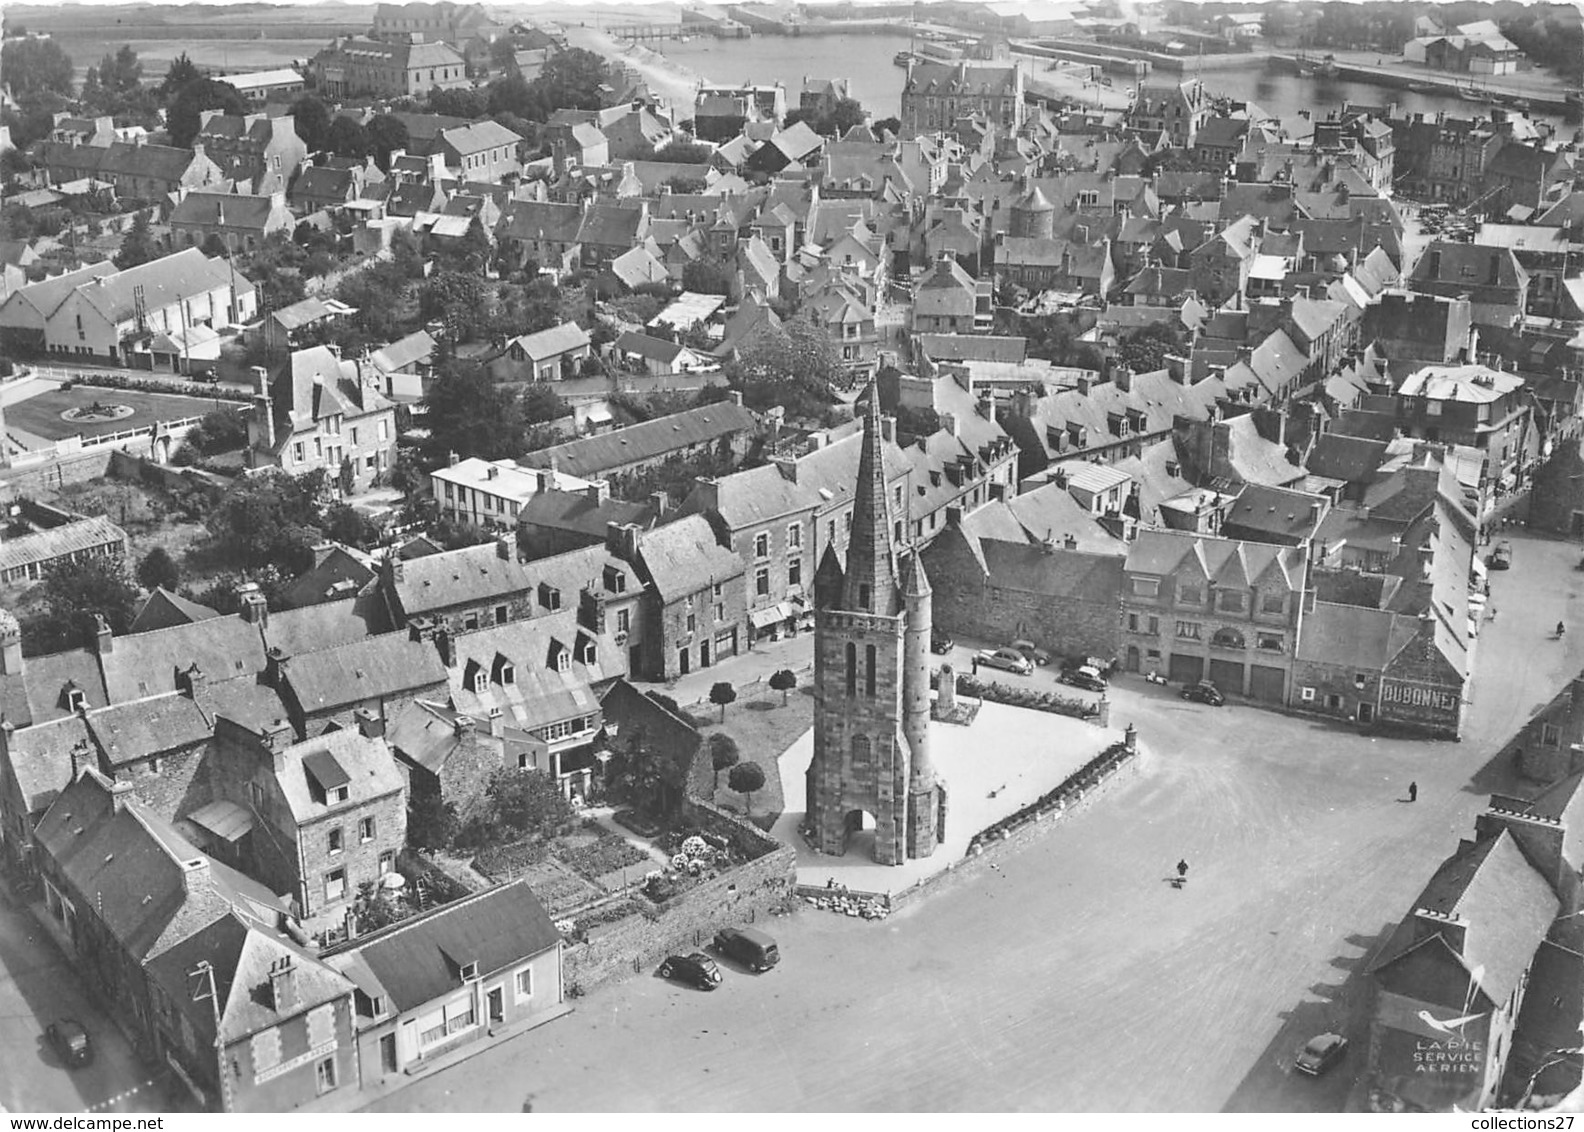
[633,820]
[1030,698]
[207,390]
[605,855]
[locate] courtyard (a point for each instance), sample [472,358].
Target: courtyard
[1073,976]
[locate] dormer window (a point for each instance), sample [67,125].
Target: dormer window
[563,661]
[503,670]
[336,795]
[469,972]
[76,699]
[474,678]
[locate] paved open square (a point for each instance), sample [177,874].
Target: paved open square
[1073,976]
[40,416]
[1004,760]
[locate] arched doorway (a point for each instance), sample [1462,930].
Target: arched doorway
[860,833]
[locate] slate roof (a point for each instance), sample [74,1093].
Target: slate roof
[370,669]
[683,557]
[553,341]
[607,225]
[146,664]
[1167,552]
[419,960]
[233,210]
[476,137]
[1353,636]
[308,768]
[647,440]
[129,732]
[1505,904]
[549,221]
[540,692]
[459,577]
[1276,511]
[40,757]
[972,347]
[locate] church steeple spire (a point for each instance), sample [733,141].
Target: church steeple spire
[870,584]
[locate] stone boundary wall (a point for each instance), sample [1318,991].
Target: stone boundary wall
[746,894]
[55,472]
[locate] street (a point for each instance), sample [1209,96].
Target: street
[37,986]
[1074,977]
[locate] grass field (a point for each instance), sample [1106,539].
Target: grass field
[41,415]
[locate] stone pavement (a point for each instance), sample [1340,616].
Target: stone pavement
[1006,759]
[750,666]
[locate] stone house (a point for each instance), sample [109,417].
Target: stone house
[1220,267]
[697,612]
[322,411]
[360,681]
[725,428]
[946,300]
[478,970]
[240,222]
[685,771]
[459,590]
[137,907]
[481,152]
[138,172]
[446,755]
[259,151]
[543,232]
[329,814]
[1201,608]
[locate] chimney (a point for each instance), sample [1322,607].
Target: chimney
[322,551]
[462,725]
[190,680]
[442,643]
[497,724]
[1083,386]
[276,737]
[597,492]
[661,502]
[263,410]
[948,423]
[503,549]
[621,540]
[1122,378]
[283,984]
[251,604]
[10,646]
[275,661]
[736,397]
[103,642]
[1069,541]
[370,724]
[452,459]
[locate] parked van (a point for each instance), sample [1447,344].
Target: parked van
[753,949]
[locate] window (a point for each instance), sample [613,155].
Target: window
[1132,622]
[1190,593]
[524,983]
[795,572]
[1433,408]
[762,544]
[325,1074]
[335,840]
[500,614]
[354,436]
[1273,603]
[387,862]
[762,582]
[366,830]
[470,622]
[1271,642]
[692,622]
[299,453]
[256,795]
[1550,735]
[1146,587]
[335,884]
[1307,695]
[1230,601]
[1228,639]
[869,671]
[830,531]
[861,750]
[794,536]
[1154,625]
[896,497]
[623,620]
[720,611]
[336,796]
[852,669]
[715,592]
[1188,630]
[847,521]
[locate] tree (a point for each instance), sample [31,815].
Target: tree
[745,778]
[138,246]
[431,820]
[269,519]
[346,524]
[783,681]
[721,694]
[461,103]
[892,126]
[571,80]
[34,65]
[74,593]
[158,571]
[312,118]
[529,802]
[182,71]
[470,415]
[512,95]
[846,114]
[386,134]
[1145,350]
[347,138]
[541,404]
[184,115]
[724,754]
[707,277]
[794,367]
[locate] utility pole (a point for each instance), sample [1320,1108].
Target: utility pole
[204,973]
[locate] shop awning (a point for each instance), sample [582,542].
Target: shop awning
[770,615]
[226,820]
[1479,566]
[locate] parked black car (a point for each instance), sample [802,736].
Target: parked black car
[1204,692]
[70,1041]
[940,642]
[753,949]
[1320,1053]
[697,968]
[1084,677]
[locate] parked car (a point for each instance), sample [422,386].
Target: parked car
[1501,557]
[1032,651]
[1204,692]
[1085,677]
[753,949]
[70,1041]
[941,642]
[697,968]
[1320,1053]
[1008,660]
[1098,664]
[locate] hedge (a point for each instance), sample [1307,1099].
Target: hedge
[208,391]
[1031,698]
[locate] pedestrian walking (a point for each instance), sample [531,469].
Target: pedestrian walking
[976,666]
[1413,791]
[1561,628]
[1182,872]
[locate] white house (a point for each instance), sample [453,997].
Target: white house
[549,355]
[490,493]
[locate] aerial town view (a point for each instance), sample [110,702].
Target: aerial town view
[960,555]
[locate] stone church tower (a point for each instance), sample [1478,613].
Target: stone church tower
[871,681]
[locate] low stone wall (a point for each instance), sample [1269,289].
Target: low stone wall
[55,473]
[745,894]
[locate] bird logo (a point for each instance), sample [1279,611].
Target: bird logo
[1452,1026]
